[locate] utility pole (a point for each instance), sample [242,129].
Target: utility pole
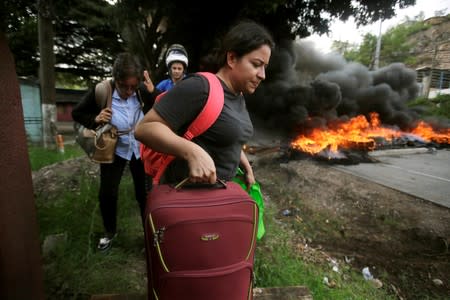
[377,50]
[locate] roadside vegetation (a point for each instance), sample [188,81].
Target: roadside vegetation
[436,107]
[395,45]
[75,270]
[40,157]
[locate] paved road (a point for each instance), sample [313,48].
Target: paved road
[412,171]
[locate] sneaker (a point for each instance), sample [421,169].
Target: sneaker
[105,243]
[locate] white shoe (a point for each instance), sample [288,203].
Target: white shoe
[105,243]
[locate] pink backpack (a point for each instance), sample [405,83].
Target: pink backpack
[155,163]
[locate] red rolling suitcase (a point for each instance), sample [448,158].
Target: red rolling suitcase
[200,243]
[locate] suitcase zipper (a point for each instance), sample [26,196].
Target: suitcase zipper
[184,203]
[158,234]
[214,272]
[255,229]
[211,272]
[155,240]
[161,230]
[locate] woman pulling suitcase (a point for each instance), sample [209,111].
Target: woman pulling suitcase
[214,156]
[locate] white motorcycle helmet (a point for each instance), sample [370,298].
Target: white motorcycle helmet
[177,53]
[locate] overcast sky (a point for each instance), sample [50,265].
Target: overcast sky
[348,31]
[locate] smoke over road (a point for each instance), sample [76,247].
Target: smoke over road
[306,89]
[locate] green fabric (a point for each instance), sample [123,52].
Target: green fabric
[256,195]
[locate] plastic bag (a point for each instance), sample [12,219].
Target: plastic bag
[256,195]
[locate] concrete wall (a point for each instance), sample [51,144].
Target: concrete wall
[66,99]
[32,113]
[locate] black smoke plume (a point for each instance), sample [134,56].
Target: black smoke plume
[306,89]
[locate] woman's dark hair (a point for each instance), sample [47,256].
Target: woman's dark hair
[126,66]
[244,37]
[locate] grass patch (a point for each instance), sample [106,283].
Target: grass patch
[40,157]
[278,263]
[75,270]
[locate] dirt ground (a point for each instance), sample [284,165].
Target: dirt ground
[402,239]
[364,224]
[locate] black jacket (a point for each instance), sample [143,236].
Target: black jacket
[86,111]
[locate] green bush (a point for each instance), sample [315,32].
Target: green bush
[442,106]
[439,106]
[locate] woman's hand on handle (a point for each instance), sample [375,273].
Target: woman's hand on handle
[104,116]
[201,166]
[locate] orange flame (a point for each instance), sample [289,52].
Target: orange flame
[360,133]
[425,131]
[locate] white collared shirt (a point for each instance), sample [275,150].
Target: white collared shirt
[126,114]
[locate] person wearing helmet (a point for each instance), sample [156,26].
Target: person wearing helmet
[177,63]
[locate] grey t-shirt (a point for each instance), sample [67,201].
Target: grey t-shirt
[223,140]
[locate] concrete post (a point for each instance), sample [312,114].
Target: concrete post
[426,82]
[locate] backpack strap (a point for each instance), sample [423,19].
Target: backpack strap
[207,116]
[210,111]
[139,97]
[103,94]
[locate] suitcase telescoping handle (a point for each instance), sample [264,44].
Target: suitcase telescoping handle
[221,183]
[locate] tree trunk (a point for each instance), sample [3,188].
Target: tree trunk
[21,275]
[47,72]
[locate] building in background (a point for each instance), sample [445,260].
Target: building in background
[432,51]
[32,112]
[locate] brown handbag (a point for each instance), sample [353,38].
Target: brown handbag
[100,144]
[105,141]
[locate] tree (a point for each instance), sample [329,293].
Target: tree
[198,26]
[364,53]
[88,34]
[21,275]
[18,20]
[47,70]
[394,44]
[85,40]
